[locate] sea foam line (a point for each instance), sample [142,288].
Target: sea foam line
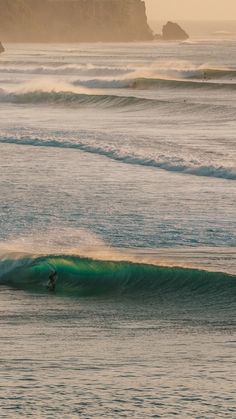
[160,162]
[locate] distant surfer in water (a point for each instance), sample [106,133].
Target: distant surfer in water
[52,281]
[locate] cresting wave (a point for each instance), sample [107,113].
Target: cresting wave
[70,97]
[66,95]
[66,69]
[166,70]
[80,277]
[160,161]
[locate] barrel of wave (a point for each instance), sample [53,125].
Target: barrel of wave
[81,277]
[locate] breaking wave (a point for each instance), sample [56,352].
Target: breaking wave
[168,163]
[166,69]
[85,277]
[66,69]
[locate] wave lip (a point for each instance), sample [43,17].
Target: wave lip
[81,277]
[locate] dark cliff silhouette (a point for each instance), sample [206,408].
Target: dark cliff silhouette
[73,20]
[2,49]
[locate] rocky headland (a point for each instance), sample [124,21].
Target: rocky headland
[73,21]
[2,49]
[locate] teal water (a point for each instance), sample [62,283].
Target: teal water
[118,169]
[79,277]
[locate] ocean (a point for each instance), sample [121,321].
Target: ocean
[118,170]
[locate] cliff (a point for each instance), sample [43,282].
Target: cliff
[73,20]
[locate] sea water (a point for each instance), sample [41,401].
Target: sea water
[118,170]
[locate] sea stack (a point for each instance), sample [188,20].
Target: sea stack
[2,49]
[173,32]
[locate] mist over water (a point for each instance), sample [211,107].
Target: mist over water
[118,169]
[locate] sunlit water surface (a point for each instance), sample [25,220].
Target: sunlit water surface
[118,153]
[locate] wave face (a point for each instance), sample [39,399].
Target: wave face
[81,277]
[74,98]
[148,83]
[215,73]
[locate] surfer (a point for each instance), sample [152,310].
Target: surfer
[52,281]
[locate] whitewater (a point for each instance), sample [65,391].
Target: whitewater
[118,170]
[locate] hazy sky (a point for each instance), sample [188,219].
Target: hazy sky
[191,9]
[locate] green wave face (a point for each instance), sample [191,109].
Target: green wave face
[78,277]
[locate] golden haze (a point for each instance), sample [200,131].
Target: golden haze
[191,9]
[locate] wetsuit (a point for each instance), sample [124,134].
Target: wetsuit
[52,281]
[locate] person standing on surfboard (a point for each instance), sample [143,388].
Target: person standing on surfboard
[52,281]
